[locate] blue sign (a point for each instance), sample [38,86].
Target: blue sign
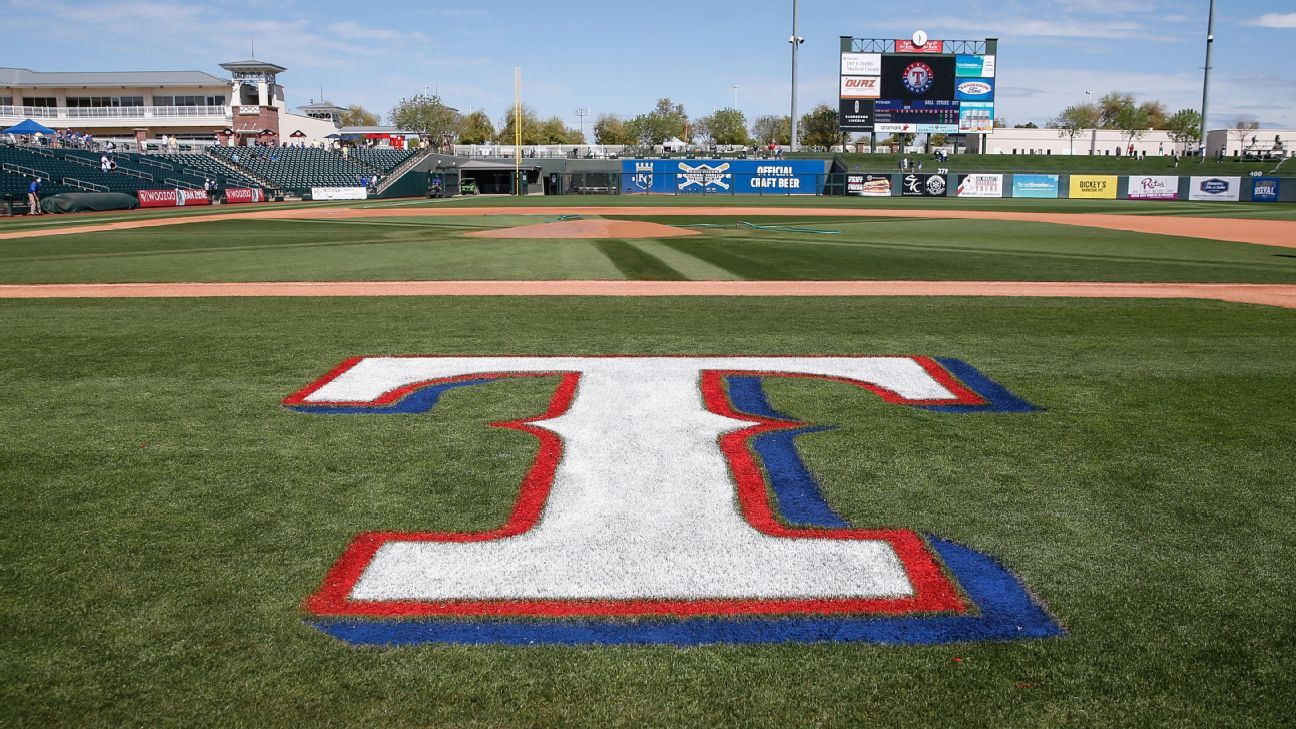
[723,176]
[1265,189]
[974,66]
[974,89]
[1045,186]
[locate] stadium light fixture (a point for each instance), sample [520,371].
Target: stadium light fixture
[796,42]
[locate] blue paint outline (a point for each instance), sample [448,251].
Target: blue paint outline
[998,398]
[419,401]
[1007,612]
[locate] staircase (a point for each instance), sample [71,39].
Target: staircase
[266,185]
[394,176]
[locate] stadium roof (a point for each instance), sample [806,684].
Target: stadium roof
[253,65]
[25,77]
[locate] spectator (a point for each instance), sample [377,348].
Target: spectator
[103,163]
[33,197]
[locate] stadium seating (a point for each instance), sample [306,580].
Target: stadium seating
[296,169]
[78,169]
[380,158]
[200,165]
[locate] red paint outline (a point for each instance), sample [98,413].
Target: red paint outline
[933,590]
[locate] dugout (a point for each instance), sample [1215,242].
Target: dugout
[496,178]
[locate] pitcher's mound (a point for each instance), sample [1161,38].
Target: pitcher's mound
[588,229]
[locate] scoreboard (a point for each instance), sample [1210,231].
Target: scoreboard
[917,86]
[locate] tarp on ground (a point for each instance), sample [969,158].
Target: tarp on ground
[27,126]
[84,202]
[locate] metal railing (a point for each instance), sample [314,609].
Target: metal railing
[83,185]
[116,112]
[24,170]
[154,163]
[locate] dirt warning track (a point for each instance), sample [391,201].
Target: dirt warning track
[1283,295]
[1240,230]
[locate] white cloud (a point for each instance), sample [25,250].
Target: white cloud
[1275,20]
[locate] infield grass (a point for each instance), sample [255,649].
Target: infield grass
[434,248]
[165,516]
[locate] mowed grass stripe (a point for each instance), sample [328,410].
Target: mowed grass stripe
[636,263]
[678,258]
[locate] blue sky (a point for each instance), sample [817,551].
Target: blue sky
[620,57]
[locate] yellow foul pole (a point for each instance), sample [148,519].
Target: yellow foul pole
[517,129]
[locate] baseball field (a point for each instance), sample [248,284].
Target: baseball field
[1084,456]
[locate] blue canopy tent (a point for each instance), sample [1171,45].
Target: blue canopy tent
[27,126]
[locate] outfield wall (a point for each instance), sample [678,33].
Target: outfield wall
[1201,188]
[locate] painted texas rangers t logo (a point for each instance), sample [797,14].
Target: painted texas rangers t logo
[667,504]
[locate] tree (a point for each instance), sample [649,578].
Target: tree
[1074,120]
[424,113]
[610,129]
[554,131]
[1000,122]
[475,128]
[725,126]
[1185,127]
[819,128]
[665,121]
[1132,121]
[1111,105]
[1027,125]
[1156,114]
[531,132]
[772,128]
[358,116]
[1244,128]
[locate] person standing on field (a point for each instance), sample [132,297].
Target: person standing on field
[33,197]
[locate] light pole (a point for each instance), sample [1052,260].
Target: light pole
[582,113]
[1210,40]
[796,42]
[735,88]
[1093,136]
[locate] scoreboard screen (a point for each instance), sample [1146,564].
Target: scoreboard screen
[922,117]
[923,88]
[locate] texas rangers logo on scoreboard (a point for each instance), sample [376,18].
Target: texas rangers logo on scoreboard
[667,504]
[919,77]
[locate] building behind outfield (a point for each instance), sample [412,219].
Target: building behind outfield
[247,106]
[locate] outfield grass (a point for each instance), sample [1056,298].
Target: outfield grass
[1114,207]
[417,248]
[166,516]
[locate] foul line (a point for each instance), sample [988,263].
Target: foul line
[1283,295]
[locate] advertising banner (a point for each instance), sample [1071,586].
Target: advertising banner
[861,64]
[172,198]
[1153,187]
[861,87]
[235,195]
[1265,189]
[980,186]
[974,89]
[339,193]
[975,117]
[1040,186]
[869,185]
[1093,187]
[716,176]
[908,46]
[855,115]
[918,77]
[914,185]
[1224,189]
[974,66]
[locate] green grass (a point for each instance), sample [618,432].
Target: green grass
[165,516]
[415,248]
[1115,207]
